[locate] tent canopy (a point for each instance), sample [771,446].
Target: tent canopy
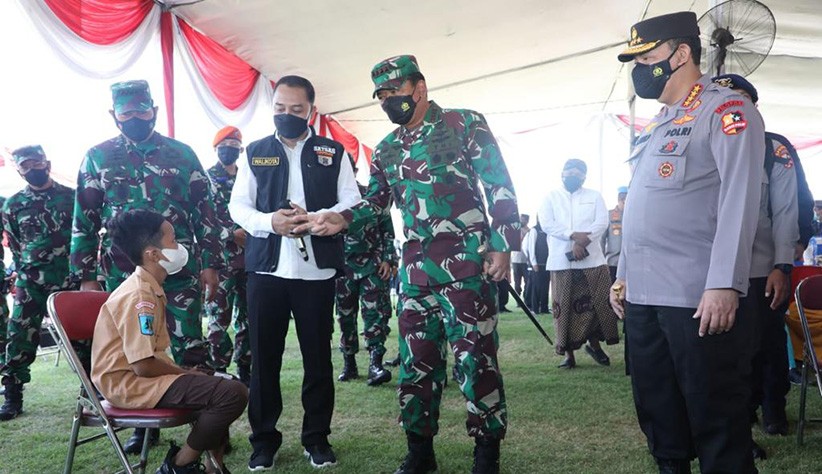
[527,61]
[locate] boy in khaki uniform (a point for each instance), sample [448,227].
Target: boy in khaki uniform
[130,365]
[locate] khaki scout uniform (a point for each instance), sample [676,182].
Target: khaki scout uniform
[131,327]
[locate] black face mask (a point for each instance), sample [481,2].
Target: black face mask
[37,177]
[572,183]
[228,154]
[650,79]
[290,126]
[136,129]
[399,108]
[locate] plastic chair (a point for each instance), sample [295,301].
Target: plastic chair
[808,296]
[74,315]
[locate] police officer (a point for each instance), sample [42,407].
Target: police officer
[430,165]
[141,169]
[776,235]
[613,237]
[284,176]
[689,226]
[369,261]
[231,292]
[37,221]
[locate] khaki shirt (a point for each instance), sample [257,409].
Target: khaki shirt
[131,327]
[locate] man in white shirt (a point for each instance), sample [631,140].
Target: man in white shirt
[285,176]
[575,219]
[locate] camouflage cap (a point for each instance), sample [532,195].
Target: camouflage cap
[26,153]
[129,96]
[392,72]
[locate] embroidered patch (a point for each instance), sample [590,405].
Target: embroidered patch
[678,132]
[146,324]
[265,161]
[782,152]
[734,123]
[696,90]
[728,105]
[684,119]
[669,147]
[325,154]
[144,304]
[666,169]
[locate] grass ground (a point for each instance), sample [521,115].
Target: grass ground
[560,422]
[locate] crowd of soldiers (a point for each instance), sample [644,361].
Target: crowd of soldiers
[443,170]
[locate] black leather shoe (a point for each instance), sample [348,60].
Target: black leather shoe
[568,364]
[134,444]
[598,355]
[673,466]
[759,452]
[776,429]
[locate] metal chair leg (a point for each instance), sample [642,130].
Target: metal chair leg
[803,392]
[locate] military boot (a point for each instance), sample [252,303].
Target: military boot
[377,374]
[349,371]
[486,456]
[420,458]
[244,373]
[13,406]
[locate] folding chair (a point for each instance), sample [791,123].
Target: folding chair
[74,314]
[808,296]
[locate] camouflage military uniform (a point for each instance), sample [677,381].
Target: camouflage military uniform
[4,307]
[231,294]
[38,225]
[364,251]
[164,175]
[432,172]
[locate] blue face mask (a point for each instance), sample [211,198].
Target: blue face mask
[136,129]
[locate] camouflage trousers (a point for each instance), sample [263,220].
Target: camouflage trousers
[370,296]
[185,302]
[24,329]
[4,323]
[230,303]
[463,313]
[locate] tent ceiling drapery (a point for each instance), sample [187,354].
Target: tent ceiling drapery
[459,41]
[228,88]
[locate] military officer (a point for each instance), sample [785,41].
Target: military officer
[776,235]
[37,221]
[688,232]
[613,237]
[430,165]
[231,292]
[369,259]
[4,287]
[141,169]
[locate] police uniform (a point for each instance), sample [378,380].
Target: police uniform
[230,300]
[777,232]
[434,174]
[161,174]
[613,237]
[689,226]
[37,223]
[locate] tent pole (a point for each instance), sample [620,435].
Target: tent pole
[167,47]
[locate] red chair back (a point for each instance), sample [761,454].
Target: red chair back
[810,292]
[78,311]
[800,273]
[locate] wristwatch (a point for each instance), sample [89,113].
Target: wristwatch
[785,268]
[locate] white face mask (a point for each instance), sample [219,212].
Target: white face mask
[177,259]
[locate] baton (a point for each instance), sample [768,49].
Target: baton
[528,313]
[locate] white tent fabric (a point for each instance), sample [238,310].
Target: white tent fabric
[101,62]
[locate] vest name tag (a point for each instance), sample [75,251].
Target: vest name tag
[265,161]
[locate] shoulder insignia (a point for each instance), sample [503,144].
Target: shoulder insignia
[727,105]
[696,90]
[146,324]
[734,123]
